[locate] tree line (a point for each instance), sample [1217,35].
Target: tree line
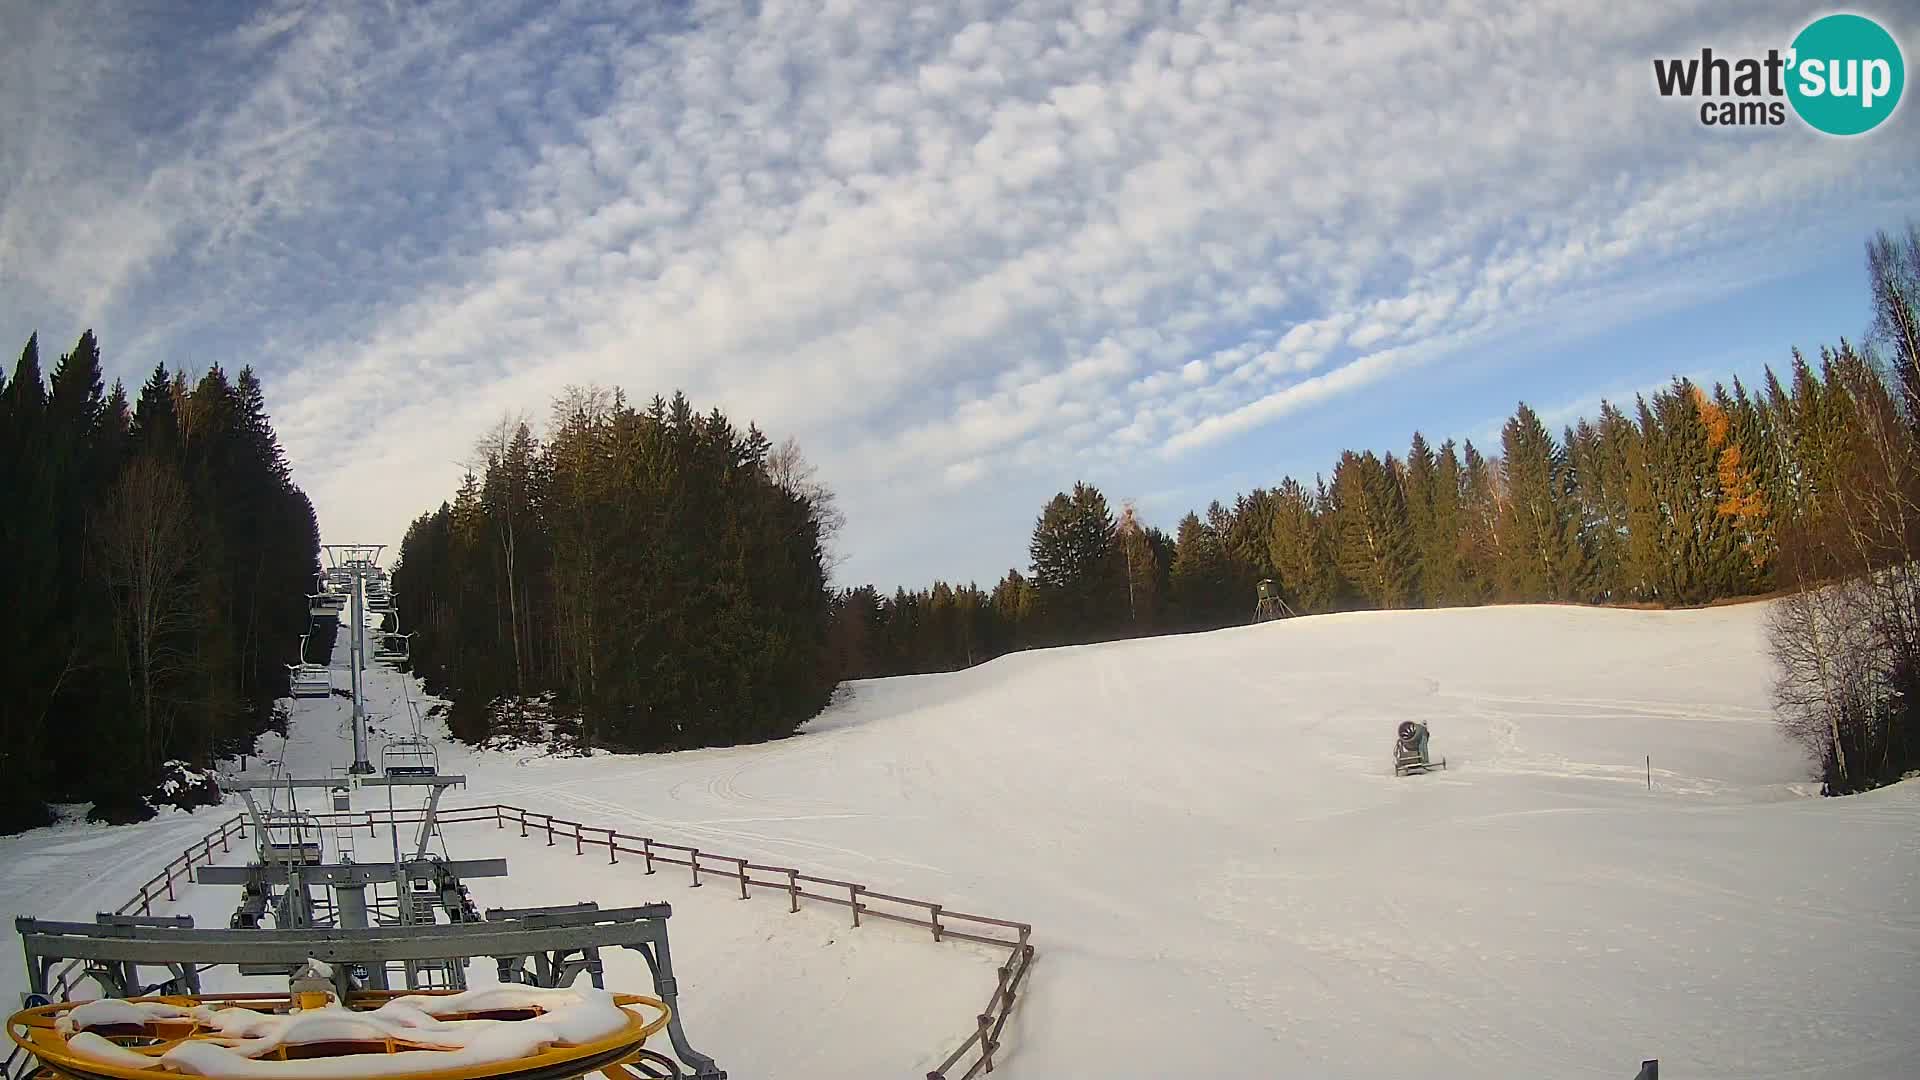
[1804,484]
[1675,502]
[660,572]
[157,557]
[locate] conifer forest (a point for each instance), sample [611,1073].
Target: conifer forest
[663,575]
[156,558]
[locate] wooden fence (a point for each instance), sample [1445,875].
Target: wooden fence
[976,1050]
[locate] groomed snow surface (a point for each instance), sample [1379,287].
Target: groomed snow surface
[1224,877]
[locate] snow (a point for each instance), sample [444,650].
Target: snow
[111,1011]
[1223,875]
[574,1017]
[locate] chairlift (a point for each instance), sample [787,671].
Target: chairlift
[310,680]
[410,755]
[307,680]
[290,837]
[392,647]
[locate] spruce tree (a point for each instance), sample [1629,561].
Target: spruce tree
[1418,482]
[1079,591]
[1443,549]
[30,659]
[1297,550]
[1374,545]
[1201,576]
[1539,529]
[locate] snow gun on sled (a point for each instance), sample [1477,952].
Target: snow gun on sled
[1410,750]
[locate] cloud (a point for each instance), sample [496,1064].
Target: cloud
[984,243]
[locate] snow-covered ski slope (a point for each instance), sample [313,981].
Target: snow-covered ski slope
[1225,878]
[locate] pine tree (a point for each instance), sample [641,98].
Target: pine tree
[1443,549]
[1539,530]
[1481,553]
[1373,544]
[29,661]
[1201,575]
[156,422]
[1079,591]
[1297,551]
[1419,484]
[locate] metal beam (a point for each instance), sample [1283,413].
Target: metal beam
[350,873]
[629,927]
[585,907]
[412,781]
[268,785]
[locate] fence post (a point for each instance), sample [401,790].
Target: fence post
[986,1040]
[223,840]
[497,823]
[145,906]
[646,851]
[549,830]
[169,881]
[576,839]
[613,848]
[935,919]
[853,893]
[694,860]
[793,890]
[743,877]
[523,823]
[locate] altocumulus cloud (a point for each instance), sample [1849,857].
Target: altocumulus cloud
[965,251]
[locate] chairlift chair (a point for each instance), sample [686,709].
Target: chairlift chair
[392,647]
[410,755]
[307,680]
[290,837]
[310,680]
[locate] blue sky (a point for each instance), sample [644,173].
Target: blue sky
[966,253]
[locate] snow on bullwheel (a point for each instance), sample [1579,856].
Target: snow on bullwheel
[502,1033]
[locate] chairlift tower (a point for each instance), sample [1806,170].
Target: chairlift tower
[361,563]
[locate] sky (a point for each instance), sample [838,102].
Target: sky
[966,253]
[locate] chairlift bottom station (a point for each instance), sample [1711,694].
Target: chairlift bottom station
[346,935]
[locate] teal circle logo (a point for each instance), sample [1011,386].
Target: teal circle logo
[1846,74]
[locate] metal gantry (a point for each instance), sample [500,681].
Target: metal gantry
[114,948]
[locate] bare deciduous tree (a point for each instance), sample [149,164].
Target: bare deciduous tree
[143,535]
[506,452]
[790,469]
[1847,640]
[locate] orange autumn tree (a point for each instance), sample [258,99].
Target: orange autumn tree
[1741,498]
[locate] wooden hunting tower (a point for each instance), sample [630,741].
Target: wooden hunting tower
[1269,605]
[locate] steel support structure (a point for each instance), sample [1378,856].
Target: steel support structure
[511,938]
[358,560]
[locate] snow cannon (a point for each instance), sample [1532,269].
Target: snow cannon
[499,1032]
[1410,750]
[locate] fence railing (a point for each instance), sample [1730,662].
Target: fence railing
[704,867]
[977,1049]
[67,978]
[160,886]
